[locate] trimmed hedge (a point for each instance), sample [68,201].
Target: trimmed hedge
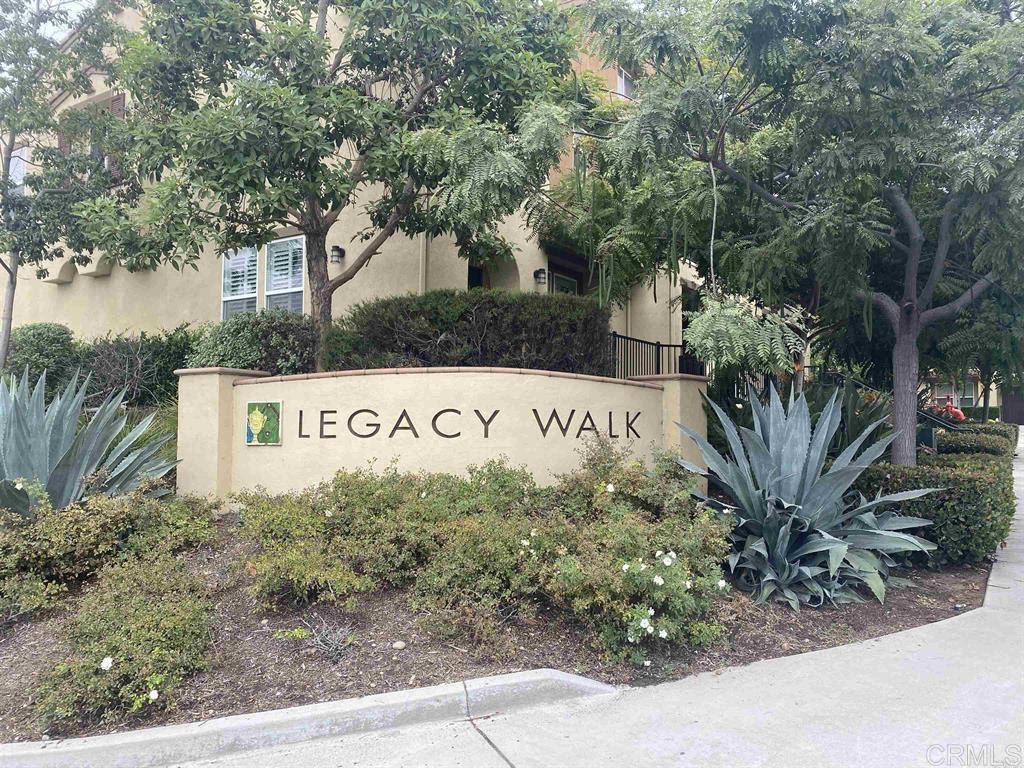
[479,327]
[1009,431]
[275,341]
[49,347]
[971,512]
[973,442]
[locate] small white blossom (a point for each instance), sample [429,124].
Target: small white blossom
[650,630]
[610,488]
[658,580]
[625,567]
[107,663]
[423,495]
[739,406]
[647,663]
[721,584]
[328,513]
[672,555]
[154,695]
[525,542]
[650,611]
[643,566]
[645,623]
[533,551]
[522,552]
[533,532]
[18,486]
[659,553]
[689,584]
[667,561]
[663,633]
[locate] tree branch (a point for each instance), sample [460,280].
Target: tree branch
[889,307]
[914,231]
[378,240]
[941,253]
[953,308]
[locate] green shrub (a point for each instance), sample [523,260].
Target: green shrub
[140,631]
[480,549]
[46,347]
[972,511]
[974,442]
[1000,428]
[61,547]
[275,341]
[978,411]
[474,328]
[142,364]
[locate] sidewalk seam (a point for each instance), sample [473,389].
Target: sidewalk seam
[484,736]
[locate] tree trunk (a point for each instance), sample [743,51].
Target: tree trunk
[904,371]
[986,398]
[320,292]
[7,319]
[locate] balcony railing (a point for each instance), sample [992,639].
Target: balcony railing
[639,357]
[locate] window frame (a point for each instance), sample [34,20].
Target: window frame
[624,78]
[301,290]
[225,298]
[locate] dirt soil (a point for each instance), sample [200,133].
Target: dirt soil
[253,667]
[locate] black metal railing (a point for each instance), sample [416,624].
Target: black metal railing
[639,357]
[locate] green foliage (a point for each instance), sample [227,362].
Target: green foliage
[861,410]
[973,442]
[143,365]
[44,451]
[474,328]
[482,549]
[140,631]
[59,548]
[1002,429]
[972,509]
[799,536]
[48,348]
[733,333]
[274,341]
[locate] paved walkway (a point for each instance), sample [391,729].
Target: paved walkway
[946,694]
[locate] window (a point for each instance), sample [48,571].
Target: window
[948,393]
[625,86]
[564,284]
[238,284]
[285,259]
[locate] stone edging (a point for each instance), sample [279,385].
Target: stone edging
[457,369]
[173,744]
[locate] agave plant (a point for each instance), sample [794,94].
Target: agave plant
[43,449]
[800,535]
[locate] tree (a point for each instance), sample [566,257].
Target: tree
[38,180]
[248,118]
[870,150]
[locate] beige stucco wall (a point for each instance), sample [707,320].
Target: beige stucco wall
[323,418]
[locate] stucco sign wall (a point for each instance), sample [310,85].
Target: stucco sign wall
[242,429]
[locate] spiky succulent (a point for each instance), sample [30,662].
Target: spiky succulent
[42,448]
[800,535]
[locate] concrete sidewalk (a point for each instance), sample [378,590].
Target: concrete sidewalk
[946,694]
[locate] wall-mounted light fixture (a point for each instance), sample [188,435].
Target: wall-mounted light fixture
[540,276]
[337,254]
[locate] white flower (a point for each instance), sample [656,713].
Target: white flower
[689,584]
[106,664]
[645,623]
[525,542]
[154,695]
[522,552]
[659,553]
[533,532]
[658,580]
[662,633]
[533,551]
[647,663]
[739,406]
[423,495]
[721,584]
[610,488]
[650,630]
[18,486]
[625,567]
[667,561]
[328,513]
[650,611]
[643,566]
[672,555]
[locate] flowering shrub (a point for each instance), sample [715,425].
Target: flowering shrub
[482,549]
[139,632]
[60,547]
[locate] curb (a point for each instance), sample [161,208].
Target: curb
[171,744]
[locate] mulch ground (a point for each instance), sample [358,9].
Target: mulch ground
[351,649]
